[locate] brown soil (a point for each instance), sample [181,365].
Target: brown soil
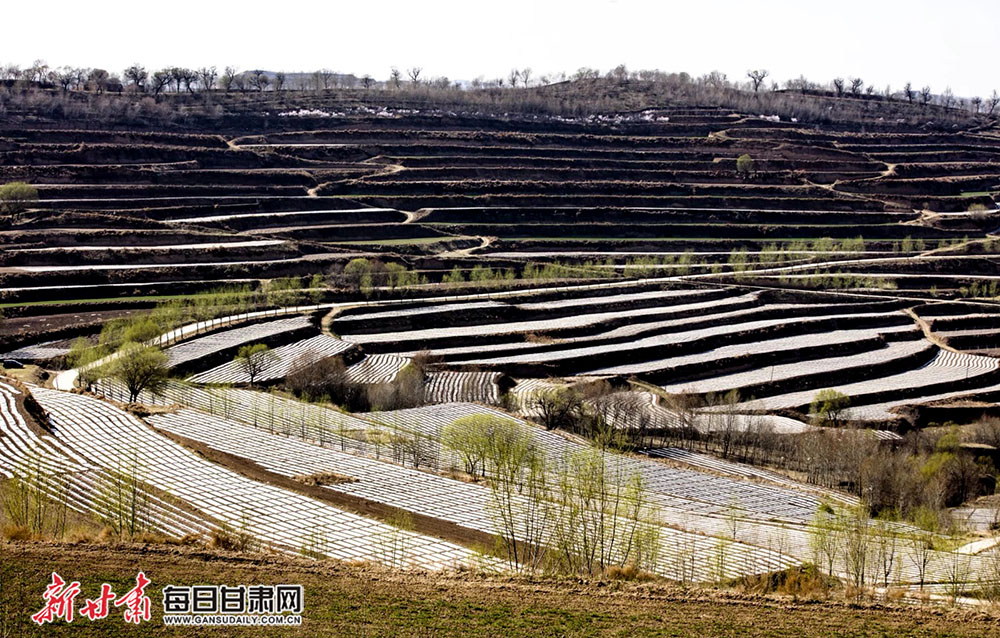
[359,600]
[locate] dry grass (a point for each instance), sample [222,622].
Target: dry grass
[363,600]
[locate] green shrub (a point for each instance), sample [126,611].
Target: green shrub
[16,197]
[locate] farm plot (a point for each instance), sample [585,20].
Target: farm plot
[267,411]
[643,411]
[683,489]
[431,335]
[377,368]
[645,351]
[38,351]
[471,387]
[916,385]
[514,331]
[463,503]
[276,517]
[66,477]
[285,360]
[211,345]
[19,446]
[520,317]
[763,376]
[742,470]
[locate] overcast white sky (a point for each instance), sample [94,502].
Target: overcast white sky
[941,44]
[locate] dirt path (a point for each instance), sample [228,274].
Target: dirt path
[327,321]
[484,242]
[928,333]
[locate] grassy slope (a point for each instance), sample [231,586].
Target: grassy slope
[362,601]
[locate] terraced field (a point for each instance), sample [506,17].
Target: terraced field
[277,517]
[491,263]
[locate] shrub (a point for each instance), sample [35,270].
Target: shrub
[744,165]
[16,197]
[828,407]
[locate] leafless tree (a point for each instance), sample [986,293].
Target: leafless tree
[11,72]
[322,79]
[619,74]
[259,80]
[526,76]
[757,77]
[513,78]
[414,74]
[395,78]
[925,95]
[993,101]
[856,86]
[977,104]
[189,78]
[279,81]
[228,79]
[80,75]
[838,86]
[909,92]
[207,76]
[64,77]
[136,75]
[97,80]
[367,82]
[947,98]
[37,71]
[159,81]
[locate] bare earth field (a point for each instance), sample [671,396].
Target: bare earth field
[360,600]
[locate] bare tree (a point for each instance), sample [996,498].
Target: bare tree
[557,407]
[64,77]
[856,85]
[856,548]
[993,102]
[259,80]
[526,76]
[322,79]
[228,78]
[189,78]
[947,98]
[97,80]
[925,95]
[619,74]
[136,75]
[886,540]
[207,76]
[838,86]
[757,77]
[254,360]
[824,538]
[414,74]
[513,78]
[279,81]
[395,78]
[367,82]
[909,92]
[159,81]
[37,71]
[977,104]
